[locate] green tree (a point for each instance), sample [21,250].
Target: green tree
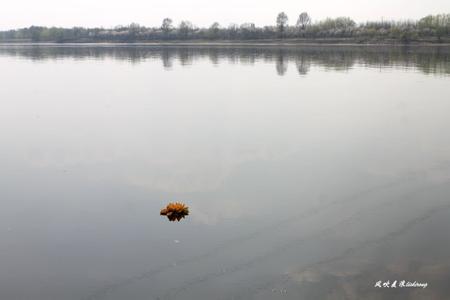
[35,33]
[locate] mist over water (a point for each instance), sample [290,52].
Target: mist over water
[309,172]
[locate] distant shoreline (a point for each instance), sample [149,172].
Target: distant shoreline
[258,43]
[430,29]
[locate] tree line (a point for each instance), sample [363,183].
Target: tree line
[431,28]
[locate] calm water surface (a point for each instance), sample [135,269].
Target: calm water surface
[310,173]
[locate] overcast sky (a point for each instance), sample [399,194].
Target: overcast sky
[107,13]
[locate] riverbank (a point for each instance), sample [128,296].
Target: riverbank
[262,42]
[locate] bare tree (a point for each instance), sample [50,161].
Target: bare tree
[233,30]
[303,20]
[166,26]
[185,28]
[214,30]
[133,30]
[282,22]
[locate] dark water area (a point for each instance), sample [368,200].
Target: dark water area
[428,59]
[309,172]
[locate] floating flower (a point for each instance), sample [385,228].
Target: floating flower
[175,211]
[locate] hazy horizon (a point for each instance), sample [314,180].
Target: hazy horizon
[103,13]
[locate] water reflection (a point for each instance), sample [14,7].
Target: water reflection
[397,258]
[299,191]
[303,65]
[427,59]
[282,64]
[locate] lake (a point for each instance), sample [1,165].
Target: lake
[310,172]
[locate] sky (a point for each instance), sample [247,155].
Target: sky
[108,13]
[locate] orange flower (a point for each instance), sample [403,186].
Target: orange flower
[175,211]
